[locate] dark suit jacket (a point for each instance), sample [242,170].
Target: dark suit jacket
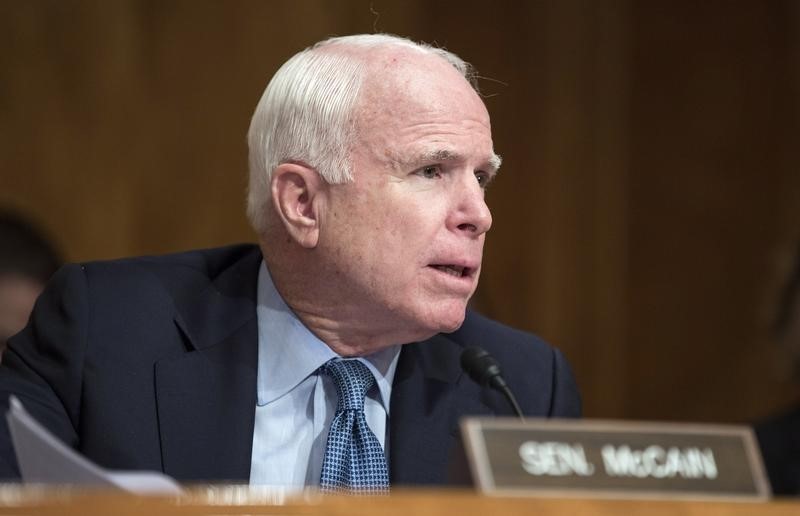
[779,439]
[151,363]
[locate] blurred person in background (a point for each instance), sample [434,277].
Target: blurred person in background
[27,260]
[779,436]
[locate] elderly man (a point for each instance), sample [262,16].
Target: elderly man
[328,355]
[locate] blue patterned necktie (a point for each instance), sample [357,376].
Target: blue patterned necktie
[354,459]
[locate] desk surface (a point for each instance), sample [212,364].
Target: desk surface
[241,500]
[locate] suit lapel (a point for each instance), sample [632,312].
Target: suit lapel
[429,395]
[206,398]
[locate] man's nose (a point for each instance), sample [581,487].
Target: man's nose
[471,214]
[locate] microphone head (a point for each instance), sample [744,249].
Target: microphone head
[480,365]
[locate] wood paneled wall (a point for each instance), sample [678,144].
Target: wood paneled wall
[650,175]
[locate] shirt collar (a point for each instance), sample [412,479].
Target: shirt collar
[288,352]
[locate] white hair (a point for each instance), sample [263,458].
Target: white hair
[306,113]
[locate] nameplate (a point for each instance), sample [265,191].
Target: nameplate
[509,457]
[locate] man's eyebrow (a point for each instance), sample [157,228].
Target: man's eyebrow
[444,155]
[494,163]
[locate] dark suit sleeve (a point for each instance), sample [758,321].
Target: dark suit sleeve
[566,400]
[43,365]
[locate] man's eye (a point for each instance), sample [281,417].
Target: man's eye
[483,178]
[431,172]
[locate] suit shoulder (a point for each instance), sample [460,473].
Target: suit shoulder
[209,262]
[537,372]
[183,275]
[522,355]
[496,337]
[197,258]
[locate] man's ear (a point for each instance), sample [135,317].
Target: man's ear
[296,193]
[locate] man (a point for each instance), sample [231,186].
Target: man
[369,156]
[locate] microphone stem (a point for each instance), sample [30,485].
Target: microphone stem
[512,400]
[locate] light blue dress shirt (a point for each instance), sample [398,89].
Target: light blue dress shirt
[295,403]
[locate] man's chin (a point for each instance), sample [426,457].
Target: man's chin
[450,322]
[435,319]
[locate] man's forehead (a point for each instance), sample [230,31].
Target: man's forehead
[393,71]
[407,92]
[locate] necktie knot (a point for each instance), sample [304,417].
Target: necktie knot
[352,380]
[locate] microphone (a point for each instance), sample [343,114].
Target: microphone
[484,370]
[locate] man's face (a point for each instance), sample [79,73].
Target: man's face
[17,296]
[406,235]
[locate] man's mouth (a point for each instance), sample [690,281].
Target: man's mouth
[454,270]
